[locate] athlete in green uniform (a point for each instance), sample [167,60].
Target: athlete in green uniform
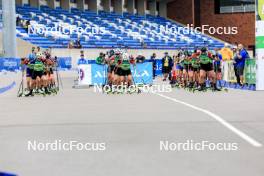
[111,67]
[116,60]
[194,70]
[38,72]
[186,69]
[125,70]
[206,70]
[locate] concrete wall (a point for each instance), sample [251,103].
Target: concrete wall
[23,47]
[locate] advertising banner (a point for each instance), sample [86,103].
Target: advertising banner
[250,71]
[94,74]
[64,63]
[260,45]
[99,74]
[142,73]
[9,64]
[85,75]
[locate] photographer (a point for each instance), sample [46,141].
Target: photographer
[239,63]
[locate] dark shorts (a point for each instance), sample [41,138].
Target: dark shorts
[187,67]
[194,69]
[118,71]
[217,69]
[29,72]
[207,67]
[239,71]
[111,68]
[37,74]
[166,70]
[122,72]
[125,72]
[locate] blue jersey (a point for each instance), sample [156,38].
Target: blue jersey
[82,61]
[32,58]
[240,62]
[218,62]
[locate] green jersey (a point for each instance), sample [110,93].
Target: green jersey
[99,60]
[204,59]
[115,60]
[30,66]
[38,66]
[195,63]
[187,62]
[125,65]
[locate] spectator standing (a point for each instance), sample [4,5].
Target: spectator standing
[82,61]
[239,63]
[226,52]
[154,62]
[167,64]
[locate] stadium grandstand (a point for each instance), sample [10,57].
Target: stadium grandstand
[109,24]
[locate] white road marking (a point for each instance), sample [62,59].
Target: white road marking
[217,118]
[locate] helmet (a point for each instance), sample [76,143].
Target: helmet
[117,51]
[203,49]
[39,55]
[125,56]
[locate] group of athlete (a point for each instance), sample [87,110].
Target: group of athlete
[119,70]
[191,70]
[39,72]
[194,69]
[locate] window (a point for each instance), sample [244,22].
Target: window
[234,6]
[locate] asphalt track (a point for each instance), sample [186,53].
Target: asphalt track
[132,127]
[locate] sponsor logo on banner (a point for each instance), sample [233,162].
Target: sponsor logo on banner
[142,73]
[84,72]
[81,73]
[99,73]
[10,64]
